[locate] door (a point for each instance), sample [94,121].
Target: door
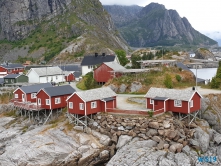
[39,101]
[23,97]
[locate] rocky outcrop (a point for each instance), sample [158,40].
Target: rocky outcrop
[133,87]
[202,53]
[155,25]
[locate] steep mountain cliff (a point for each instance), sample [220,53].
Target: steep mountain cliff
[155,25]
[46,27]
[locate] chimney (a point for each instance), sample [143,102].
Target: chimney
[96,54]
[103,54]
[193,88]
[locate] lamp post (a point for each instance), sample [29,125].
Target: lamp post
[196,76]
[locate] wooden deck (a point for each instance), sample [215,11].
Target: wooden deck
[27,106]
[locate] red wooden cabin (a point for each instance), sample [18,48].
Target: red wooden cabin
[91,101]
[54,97]
[105,72]
[69,76]
[180,101]
[28,93]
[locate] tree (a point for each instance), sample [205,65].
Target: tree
[216,81]
[168,81]
[134,59]
[121,54]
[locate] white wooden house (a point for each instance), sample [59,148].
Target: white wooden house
[46,74]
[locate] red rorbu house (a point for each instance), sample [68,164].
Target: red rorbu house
[89,102]
[51,98]
[180,101]
[105,71]
[10,68]
[69,76]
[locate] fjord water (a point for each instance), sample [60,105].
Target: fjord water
[205,73]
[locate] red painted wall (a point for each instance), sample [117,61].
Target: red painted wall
[19,92]
[43,96]
[183,109]
[12,71]
[159,106]
[76,109]
[102,73]
[148,105]
[196,103]
[70,77]
[28,95]
[60,105]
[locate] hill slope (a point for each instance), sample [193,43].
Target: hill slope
[44,28]
[155,25]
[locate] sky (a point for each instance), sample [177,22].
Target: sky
[203,15]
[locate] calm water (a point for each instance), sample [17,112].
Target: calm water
[206,73]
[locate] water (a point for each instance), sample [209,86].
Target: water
[205,73]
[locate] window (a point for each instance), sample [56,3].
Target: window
[9,70]
[151,101]
[16,96]
[33,95]
[6,80]
[177,103]
[81,106]
[12,80]
[47,102]
[57,100]
[94,104]
[70,104]
[191,103]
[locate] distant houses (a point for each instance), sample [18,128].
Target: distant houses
[11,68]
[45,74]
[15,78]
[89,63]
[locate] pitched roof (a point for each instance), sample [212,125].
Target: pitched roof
[95,60]
[75,67]
[174,94]
[182,66]
[2,81]
[59,90]
[12,76]
[43,71]
[96,94]
[12,65]
[114,65]
[34,88]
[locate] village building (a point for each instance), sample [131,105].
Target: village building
[46,74]
[28,93]
[54,97]
[15,78]
[72,68]
[69,76]
[11,68]
[89,63]
[84,103]
[162,100]
[105,71]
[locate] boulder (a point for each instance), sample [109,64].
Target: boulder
[176,147]
[122,88]
[135,86]
[161,132]
[104,154]
[154,125]
[123,140]
[217,138]
[166,124]
[151,132]
[160,145]
[103,139]
[182,159]
[113,87]
[202,138]
[171,134]
[145,143]
[84,148]
[156,138]
[121,128]
[83,138]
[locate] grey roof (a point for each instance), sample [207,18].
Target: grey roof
[34,88]
[174,94]
[59,90]
[74,67]
[114,65]
[96,94]
[95,60]
[12,65]
[12,76]
[2,81]
[160,98]
[182,66]
[108,99]
[55,70]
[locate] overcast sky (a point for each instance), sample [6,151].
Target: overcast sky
[203,15]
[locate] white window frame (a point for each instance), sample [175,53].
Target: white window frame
[81,106]
[191,103]
[6,80]
[33,95]
[70,105]
[47,101]
[16,95]
[12,81]
[178,103]
[151,101]
[93,104]
[57,100]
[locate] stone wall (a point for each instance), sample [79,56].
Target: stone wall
[169,133]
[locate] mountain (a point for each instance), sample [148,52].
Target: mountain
[155,25]
[42,29]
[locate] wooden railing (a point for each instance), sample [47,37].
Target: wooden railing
[27,105]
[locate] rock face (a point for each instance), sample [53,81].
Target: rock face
[155,25]
[202,53]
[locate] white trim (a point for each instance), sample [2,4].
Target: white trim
[73,95]
[70,105]
[47,101]
[177,103]
[85,110]
[188,107]
[194,94]
[151,101]
[81,106]
[93,104]
[57,100]
[16,95]
[33,95]
[191,103]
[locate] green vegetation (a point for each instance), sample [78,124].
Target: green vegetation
[88,82]
[216,81]
[168,82]
[150,113]
[178,78]
[121,54]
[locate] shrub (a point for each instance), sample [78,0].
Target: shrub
[178,78]
[150,113]
[168,81]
